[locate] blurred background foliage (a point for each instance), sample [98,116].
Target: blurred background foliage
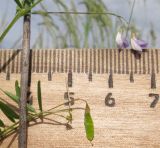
[73,30]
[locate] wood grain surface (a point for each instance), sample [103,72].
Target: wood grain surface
[134,120]
[130,123]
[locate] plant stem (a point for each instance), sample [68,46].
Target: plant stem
[130,18]
[24,82]
[67,102]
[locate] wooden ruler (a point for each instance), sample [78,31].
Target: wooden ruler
[122,88]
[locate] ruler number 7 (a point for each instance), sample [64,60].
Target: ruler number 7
[155,101]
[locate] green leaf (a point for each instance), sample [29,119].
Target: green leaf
[88,123]
[30,108]
[18,2]
[9,112]
[17,89]
[39,95]
[16,99]
[1,123]
[11,96]
[19,14]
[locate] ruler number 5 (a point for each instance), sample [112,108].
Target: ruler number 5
[110,101]
[155,101]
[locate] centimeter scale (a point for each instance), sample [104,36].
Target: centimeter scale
[121,86]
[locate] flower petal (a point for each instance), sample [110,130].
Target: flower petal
[125,43]
[121,42]
[142,43]
[135,45]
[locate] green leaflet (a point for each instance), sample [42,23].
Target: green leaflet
[31,108]
[18,2]
[17,89]
[1,123]
[16,99]
[39,95]
[11,115]
[11,96]
[88,123]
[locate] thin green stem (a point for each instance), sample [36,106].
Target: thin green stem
[130,18]
[67,102]
[84,13]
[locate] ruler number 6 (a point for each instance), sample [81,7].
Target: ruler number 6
[155,101]
[109,101]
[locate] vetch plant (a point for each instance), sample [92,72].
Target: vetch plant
[136,44]
[12,113]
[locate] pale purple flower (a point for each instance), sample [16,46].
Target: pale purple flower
[138,45]
[121,41]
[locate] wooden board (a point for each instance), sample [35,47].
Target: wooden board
[130,123]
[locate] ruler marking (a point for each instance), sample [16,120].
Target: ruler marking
[74,69]
[157,61]
[90,68]
[62,61]
[140,71]
[153,75]
[115,64]
[42,60]
[122,61]
[110,61]
[148,61]
[152,60]
[58,61]
[86,67]
[4,67]
[135,64]
[37,69]
[144,63]
[127,63]
[82,68]
[70,60]
[98,68]
[106,60]
[54,61]
[8,62]
[17,62]
[131,62]
[46,61]
[84,60]
[102,55]
[78,62]
[94,61]
[66,61]
[13,61]
[119,64]
[49,70]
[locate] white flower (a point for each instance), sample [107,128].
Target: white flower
[121,41]
[138,45]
